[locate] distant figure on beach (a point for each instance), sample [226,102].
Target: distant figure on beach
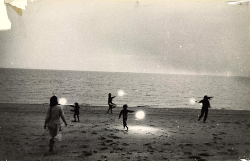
[76,111]
[205,106]
[124,114]
[52,121]
[110,103]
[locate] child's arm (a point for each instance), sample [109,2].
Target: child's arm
[200,101]
[130,111]
[120,114]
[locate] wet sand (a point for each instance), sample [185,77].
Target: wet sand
[164,134]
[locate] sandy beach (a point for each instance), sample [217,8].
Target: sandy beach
[164,134]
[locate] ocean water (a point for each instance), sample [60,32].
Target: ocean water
[149,90]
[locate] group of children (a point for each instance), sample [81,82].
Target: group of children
[55,112]
[123,112]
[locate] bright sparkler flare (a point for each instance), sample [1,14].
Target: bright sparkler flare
[192,101]
[62,101]
[140,115]
[121,93]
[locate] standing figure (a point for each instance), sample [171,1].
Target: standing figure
[76,111]
[110,103]
[52,120]
[124,114]
[205,106]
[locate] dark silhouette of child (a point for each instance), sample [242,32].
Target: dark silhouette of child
[205,106]
[76,111]
[124,114]
[111,105]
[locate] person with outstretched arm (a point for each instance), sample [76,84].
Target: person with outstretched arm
[76,111]
[110,103]
[205,105]
[124,114]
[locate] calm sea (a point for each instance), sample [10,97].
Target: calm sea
[150,90]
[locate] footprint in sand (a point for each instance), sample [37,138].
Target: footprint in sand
[121,149]
[187,153]
[83,146]
[195,157]
[125,144]
[208,144]
[185,144]
[104,156]
[102,138]
[87,153]
[103,144]
[167,144]
[103,148]
[204,154]
[114,137]
[147,144]
[109,141]
[83,132]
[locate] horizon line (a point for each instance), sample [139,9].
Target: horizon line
[190,74]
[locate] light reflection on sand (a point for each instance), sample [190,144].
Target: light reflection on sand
[143,129]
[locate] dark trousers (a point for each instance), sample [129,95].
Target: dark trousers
[110,107]
[76,114]
[124,122]
[203,110]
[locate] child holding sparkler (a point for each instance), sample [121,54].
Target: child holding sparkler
[76,111]
[124,113]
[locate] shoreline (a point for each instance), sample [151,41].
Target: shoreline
[120,106]
[164,134]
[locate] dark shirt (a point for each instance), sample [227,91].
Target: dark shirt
[76,109]
[205,103]
[110,100]
[124,113]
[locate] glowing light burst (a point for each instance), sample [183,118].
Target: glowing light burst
[140,115]
[121,93]
[62,101]
[192,101]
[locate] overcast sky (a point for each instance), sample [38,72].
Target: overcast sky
[181,37]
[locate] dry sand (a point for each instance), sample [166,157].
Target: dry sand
[164,134]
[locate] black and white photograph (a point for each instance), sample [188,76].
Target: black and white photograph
[119,80]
